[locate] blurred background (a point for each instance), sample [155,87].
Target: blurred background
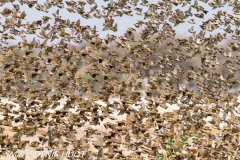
[124,22]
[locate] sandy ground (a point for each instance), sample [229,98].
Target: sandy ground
[31,153]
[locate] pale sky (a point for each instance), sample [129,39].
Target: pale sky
[124,22]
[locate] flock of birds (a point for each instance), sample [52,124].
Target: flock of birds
[37,83]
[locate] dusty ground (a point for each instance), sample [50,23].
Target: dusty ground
[80,133]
